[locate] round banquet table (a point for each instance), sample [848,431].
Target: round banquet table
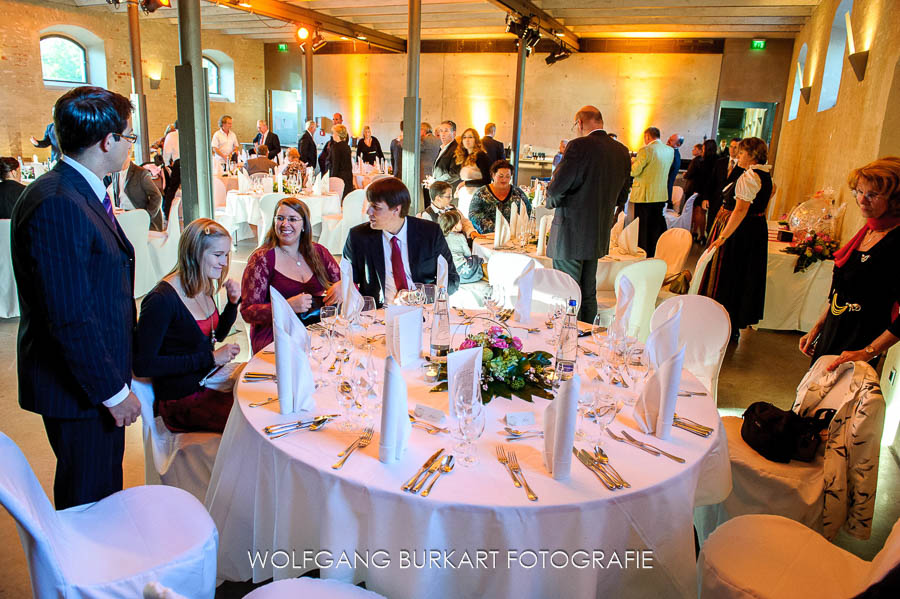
[244,206]
[281,495]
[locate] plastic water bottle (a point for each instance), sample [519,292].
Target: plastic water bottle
[440,327]
[567,347]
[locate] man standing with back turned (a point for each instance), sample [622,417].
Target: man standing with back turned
[74,269]
[583,190]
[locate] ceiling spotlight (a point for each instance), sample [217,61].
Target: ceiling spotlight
[149,6]
[361,37]
[302,33]
[561,53]
[516,26]
[317,42]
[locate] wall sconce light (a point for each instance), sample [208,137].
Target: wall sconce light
[857,60]
[805,93]
[154,82]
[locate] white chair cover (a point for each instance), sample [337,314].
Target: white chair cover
[336,229]
[164,247]
[677,196]
[9,297]
[111,548]
[219,192]
[646,276]
[182,460]
[768,557]
[136,224]
[705,331]
[464,199]
[311,588]
[504,268]
[700,270]
[550,283]
[683,220]
[267,205]
[674,246]
[336,185]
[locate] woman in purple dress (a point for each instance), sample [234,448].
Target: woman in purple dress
[305,273]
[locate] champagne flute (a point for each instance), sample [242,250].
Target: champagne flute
[367,318]
[328,314]
[493,299]
[320,349]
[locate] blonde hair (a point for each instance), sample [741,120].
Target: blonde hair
[341,132]
[195,240]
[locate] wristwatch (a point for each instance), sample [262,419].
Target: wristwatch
[870,350]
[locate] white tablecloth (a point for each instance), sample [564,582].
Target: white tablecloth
[607,267]
[270,495]
[230,181]
[244,207]
[794,301]
[9,296]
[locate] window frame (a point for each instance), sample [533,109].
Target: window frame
[218,91]
[84,58]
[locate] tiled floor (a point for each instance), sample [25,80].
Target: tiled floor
[764,366]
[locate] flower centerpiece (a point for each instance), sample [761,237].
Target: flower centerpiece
[506,370]
[811,249]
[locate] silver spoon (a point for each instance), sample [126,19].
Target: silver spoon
[446,466]
[316,425]
[517,433]
[601,457]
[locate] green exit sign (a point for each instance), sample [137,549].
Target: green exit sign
[284,47]
[758,44]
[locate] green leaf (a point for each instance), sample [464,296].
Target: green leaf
[442,386]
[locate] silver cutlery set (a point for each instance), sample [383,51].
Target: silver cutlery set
[276,431]
[598,464]
[511,463]
[431,429]
[359,443]
[434,466]
[259,377]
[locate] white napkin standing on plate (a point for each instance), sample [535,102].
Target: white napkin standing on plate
[628,238]
[501,229]
[655,408]
[538,195]
[464,368]
[443,273]
[279,180]
[560,419]
[295,379]
[522,224]
[663,341]
[622,318]
[395,424]
[403,333]
[543,230]
[351,299]
[525,283]
[513,223]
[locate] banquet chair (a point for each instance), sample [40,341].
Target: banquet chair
[674,246]
[647,277]
[837,489]
[464,199]
[336,185]
[267,205]
[336,227]
[183,460]
[164,245]
[683,220]
[700,270]
[677,197]
[111,548]
[311,588]
[136,225]
[769,557]
[219,192]
[9,297]
[705,331]
[550,283]
[504,268]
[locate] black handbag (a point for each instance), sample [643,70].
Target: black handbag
[782,435]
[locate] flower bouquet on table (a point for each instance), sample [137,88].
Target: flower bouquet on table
[506,370]
[811,249]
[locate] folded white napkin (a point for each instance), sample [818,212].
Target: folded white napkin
[34,158]
[395,424]
[310,175]
[351,298]
[522,220]
[560,419]
[655,408]
[628,238]
[624,298]
[616,231]
[525,283]
[443,273]
[538,196]
[279,179]
[543,230]
[501,229]
[464,368]
[295,379]
[325,183]
[663,342]
[514,223]
[403,333]
[243,182]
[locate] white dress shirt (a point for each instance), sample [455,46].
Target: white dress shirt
[226,142]
[171,151]
[390,289]
[100,191]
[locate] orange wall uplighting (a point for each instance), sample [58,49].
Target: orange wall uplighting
[357,89]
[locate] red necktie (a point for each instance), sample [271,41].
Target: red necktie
[397,265]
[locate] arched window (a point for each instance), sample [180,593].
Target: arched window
[212,74]
[63,60]
[798,83]
[834,58]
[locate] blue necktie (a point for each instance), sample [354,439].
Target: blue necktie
[107,205]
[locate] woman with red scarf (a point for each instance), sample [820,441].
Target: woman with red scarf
[861,321]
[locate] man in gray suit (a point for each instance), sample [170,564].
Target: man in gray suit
[583,191]
[133,188]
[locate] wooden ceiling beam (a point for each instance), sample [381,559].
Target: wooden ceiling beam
[547,23]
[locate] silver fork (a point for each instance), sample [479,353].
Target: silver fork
[501,457]
[363,441]
[514,465]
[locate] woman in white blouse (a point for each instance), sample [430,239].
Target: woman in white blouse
[736,276]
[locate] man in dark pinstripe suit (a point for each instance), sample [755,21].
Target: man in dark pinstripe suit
[75,274]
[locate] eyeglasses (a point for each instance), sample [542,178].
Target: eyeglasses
[870,196]
[131,137]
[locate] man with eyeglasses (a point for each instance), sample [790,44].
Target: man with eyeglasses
[74,269]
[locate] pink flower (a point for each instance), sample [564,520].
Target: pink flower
[826,237]
[517,343]
[468,344]
[818,249]
[500,344]
[495,330]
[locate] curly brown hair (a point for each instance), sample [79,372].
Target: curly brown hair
[883,176]
[463,156]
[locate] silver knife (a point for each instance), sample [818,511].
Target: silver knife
[633,444]
[647,445]
[409,484]
[691,429]
[587,465]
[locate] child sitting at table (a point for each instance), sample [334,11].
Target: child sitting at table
[467,265]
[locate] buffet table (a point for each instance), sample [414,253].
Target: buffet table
[476,535]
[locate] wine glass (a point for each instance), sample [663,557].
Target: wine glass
[638,365]
[402,298]
[493,299]
[605,409]
[320,349]
[600,327]
[328,314]
[558,310]
[418,294]
[470,422]
[366,318]
[586,401]
[344,393]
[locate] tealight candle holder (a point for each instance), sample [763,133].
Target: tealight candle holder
[431,371]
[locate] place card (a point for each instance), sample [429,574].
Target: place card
[519,418]
[433,415]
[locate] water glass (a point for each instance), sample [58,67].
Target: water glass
[344,393]
[586,401]
[430,293]
[366,318]
[470,423]
[604,412]
[418,294]
[320,349]
[493,299]
[328,314]
[638,365]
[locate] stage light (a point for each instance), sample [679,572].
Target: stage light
[302,33]
[317,42]
[560,53]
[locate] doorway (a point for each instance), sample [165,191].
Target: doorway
[745,119]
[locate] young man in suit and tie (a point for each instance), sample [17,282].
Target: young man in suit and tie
[492,147]
[650,170]
[74,269]
[727,172]
[393,251]
[583,190]
[267,138]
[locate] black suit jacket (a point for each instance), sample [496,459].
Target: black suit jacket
[721,179]
[493,149]
[583,190]
[271,142]
[10,191]
[325,157]
[141,191]
[397,157]
[307,148]
[342,164]
[445,167]
[74,270]
[365,251]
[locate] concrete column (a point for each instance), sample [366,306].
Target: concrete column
[139,121]
[308,81]
[412,109]
[192,91]
[517,113]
